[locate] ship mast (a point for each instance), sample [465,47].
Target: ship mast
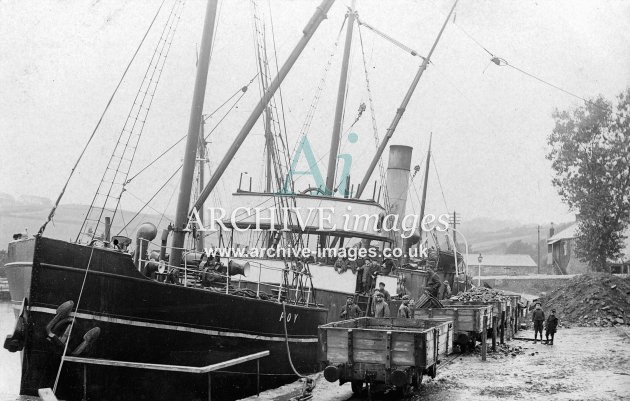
[202,166]
[308,31]
[192,142]
[341,97]
[424,189]
[401,109]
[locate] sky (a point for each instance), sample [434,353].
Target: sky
[61,60]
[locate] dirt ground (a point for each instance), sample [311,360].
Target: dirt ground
[583,364]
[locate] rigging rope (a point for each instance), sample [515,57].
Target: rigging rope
[242,91]
[151,199]
[113,181]
[285,143]
[98,123]
[304,130]
[377,140]
[439,181]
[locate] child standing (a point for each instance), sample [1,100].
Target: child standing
[552,325]
[538,317]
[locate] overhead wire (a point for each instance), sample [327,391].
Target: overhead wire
[501,62]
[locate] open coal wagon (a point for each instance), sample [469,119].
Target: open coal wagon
[389,352]
[467,321]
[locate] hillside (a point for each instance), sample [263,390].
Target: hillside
[485,235]
[495,236]
[28,214]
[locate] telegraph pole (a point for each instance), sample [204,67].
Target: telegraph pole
[538,250]
[454,223]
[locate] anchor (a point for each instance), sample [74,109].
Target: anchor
[62,324]
[89,339]
[61,321]
[15,342]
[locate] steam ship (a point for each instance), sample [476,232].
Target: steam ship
[90,312]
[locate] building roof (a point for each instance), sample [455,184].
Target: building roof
[568,233]
[572,232]
[513,259]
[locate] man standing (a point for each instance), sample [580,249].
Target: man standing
[350,310]
[359,284]
[341,264]
[367,279]
[404,311]
[538,317]
[552,325]
[373,270]
[445,290]
[434,284]
[381,309]
[382,290]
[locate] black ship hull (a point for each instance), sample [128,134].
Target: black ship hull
[142,320]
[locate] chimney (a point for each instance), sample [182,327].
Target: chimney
[552,230]
[398,168]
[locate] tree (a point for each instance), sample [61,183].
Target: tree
[3,260]
[590,155]
[520,247]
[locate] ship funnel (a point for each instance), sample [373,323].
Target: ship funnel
[398,184]
[146,232]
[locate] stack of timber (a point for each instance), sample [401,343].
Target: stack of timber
[384,351]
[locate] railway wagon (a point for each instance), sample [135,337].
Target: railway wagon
[467,320]
[499,310]
[388,352]
[514,319]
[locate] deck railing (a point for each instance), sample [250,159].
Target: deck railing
[190,276]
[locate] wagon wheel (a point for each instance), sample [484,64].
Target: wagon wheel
[407,391]
[416,381]
[357,386]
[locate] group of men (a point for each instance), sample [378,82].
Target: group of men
[538,317]
[380,296]
[380,306]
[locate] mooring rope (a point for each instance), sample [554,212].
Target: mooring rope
[74,318]
[286,341]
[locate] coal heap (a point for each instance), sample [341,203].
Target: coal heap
[594,299]
[479,294]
